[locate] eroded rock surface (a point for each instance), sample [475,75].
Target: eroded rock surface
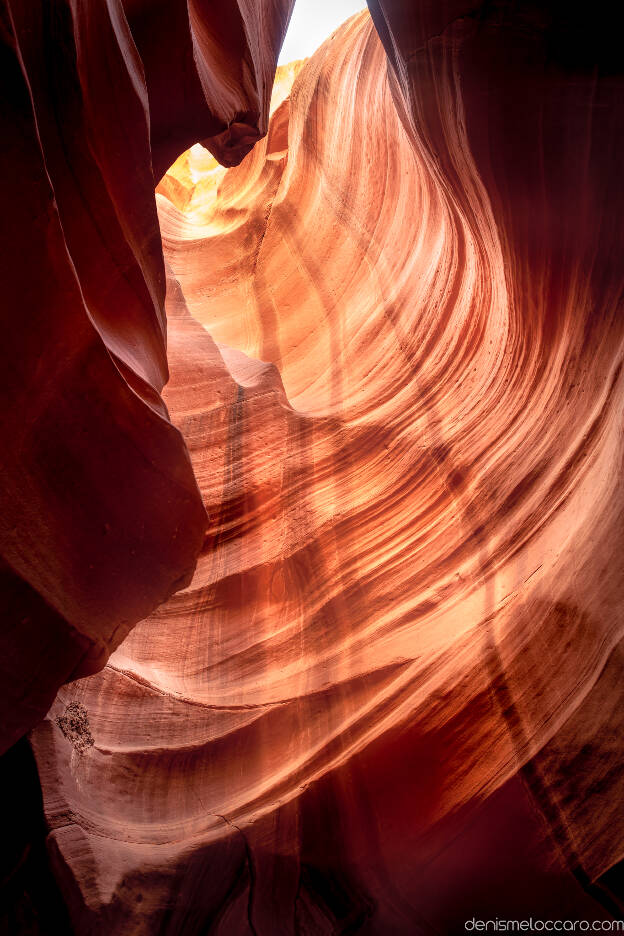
[101,518]
[391,694]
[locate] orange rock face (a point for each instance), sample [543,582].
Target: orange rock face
[101,518]
[396,673]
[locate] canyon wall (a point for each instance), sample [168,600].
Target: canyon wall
[395,676]
[101,518]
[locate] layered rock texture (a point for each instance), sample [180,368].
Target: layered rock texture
[372,525]
[101,518]
[390,698]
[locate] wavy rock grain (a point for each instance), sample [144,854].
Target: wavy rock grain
[101,517]
[404,638]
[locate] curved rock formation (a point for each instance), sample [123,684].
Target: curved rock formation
[396,673]
[209,70]
[101,517]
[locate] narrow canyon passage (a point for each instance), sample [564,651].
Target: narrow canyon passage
[388,699]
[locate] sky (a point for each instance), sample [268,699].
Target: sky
[312,22]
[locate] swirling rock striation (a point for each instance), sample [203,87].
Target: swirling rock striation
[396,673]
[536,91]
[101,517]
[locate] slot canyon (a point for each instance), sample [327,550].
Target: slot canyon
[312,527]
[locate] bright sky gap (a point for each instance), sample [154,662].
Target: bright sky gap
[312,22]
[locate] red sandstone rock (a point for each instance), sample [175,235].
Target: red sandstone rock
[101,518]
[402,641]
[536,93]
[209,69]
